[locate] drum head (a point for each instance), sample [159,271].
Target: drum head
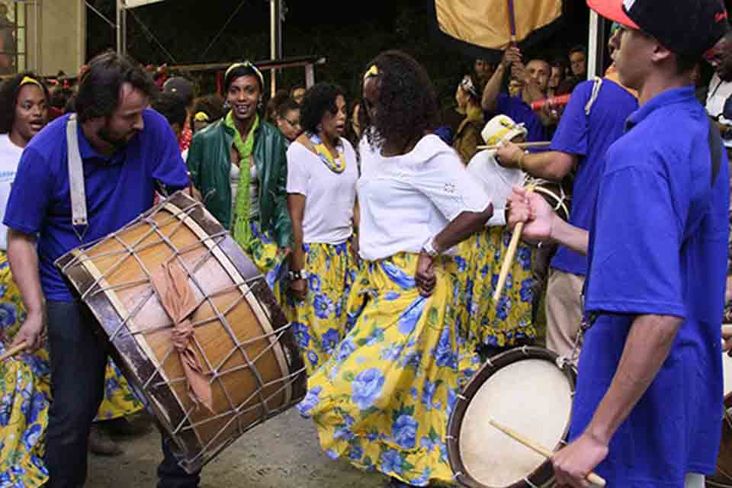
[525,390]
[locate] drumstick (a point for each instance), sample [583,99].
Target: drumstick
[522,145]
[20,347]
[510,254]
[593,478]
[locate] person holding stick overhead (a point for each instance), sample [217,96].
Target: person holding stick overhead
[383,399]
[594,119]
[649,393]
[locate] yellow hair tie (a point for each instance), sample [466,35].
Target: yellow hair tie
[201,117]
[27,80]
[372,71]
[246,64]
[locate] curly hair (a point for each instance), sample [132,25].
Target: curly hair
[319,99]
[407,107]
[9,91]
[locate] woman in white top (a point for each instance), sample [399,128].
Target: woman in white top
[321,185]
[383,399]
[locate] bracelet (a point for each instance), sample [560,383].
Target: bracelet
[429,248]
[297,275]
[521,160]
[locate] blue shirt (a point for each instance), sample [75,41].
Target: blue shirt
[658,245]
[520,113]
[588,137]
[118,189]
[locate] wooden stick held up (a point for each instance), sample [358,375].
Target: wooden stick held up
[593,478]
[18,348]
[510,254]
[522,145]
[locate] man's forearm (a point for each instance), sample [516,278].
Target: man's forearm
[646,348]
[575,238]
[492,89]
[550,165]
[23,259]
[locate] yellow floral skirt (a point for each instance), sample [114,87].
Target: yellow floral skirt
[26,390]
[266,256]
[383,399]
[477,266]
[119,400]
[319,321]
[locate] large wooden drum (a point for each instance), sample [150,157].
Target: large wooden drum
[527,389]
[193,325]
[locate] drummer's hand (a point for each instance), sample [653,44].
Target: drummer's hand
[31,332]
[531,209]
[508,154]
[425,275]
[299,289]
[573,463]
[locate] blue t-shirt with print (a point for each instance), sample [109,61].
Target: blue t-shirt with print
[118,189]
[588,136]
[658,245]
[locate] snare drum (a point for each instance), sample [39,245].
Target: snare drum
[528,390]
[555,194]
[227,321]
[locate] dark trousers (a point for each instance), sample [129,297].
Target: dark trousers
[78,361]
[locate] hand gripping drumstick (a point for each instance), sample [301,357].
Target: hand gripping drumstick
[20,347]
[510,254]
[593,478]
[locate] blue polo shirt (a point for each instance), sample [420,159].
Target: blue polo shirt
[520,113]
[588,137]
[658,245]
[118,189]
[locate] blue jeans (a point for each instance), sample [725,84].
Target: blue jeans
[78,360]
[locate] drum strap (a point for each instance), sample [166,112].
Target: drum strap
[715,146]
[79,220]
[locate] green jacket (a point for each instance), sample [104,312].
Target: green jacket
[209,163]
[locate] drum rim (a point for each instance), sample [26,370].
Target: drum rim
[545,471]
[126,352]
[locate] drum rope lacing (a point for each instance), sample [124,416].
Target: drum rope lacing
[131,251]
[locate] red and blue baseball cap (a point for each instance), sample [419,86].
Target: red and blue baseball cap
[685,27]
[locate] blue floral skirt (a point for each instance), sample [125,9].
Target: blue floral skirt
[383,399]
[319,321]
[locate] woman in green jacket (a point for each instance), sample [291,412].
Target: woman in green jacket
[239,166]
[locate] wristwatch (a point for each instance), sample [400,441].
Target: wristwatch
[297,275]
[429,248]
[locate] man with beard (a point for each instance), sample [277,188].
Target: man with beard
[127,151]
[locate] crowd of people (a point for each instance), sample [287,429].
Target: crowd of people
[381,224]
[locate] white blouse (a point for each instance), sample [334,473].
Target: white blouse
[407,200]
[329,196]
[497,181]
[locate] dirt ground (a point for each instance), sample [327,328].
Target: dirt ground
[283,452]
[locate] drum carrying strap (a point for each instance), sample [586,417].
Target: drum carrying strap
[76,180]
[715,146]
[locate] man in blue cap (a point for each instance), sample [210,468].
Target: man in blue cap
[648,401]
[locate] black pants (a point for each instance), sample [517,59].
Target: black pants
[78,361]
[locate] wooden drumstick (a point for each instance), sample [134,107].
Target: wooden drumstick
[522,145]
[593,478]
[510,254]
[18,348]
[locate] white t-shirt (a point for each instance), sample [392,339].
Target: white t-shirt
[497,182]
[9,159]
[329,196]
[407,200]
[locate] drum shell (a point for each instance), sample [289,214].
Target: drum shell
[136,325]
[543,476]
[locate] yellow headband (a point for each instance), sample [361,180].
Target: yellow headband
[27,80]
[372,71]
[201,117]
[246,64]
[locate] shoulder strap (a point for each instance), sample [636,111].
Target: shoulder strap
[76,178]
[715,147]
[595,93]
